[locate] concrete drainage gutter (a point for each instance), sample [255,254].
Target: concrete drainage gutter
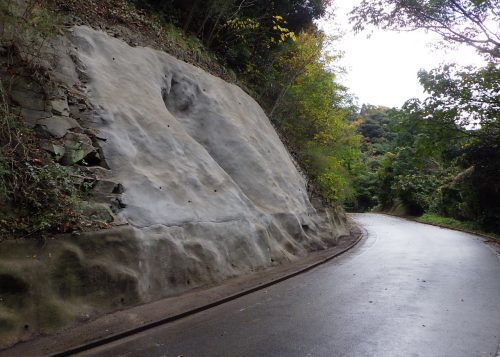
[113,327]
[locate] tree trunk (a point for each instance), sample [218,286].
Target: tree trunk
[282,94]
[212,33]
[189,18]
[202,27]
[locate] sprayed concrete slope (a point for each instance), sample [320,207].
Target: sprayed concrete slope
[203,170]
[209,192]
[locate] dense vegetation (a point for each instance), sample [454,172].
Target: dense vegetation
[440,155]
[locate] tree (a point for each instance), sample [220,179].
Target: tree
[454,134]
[474,23]
[468,97]
[313,115]
[465,104]
[307,50]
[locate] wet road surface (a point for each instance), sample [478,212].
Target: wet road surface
[407,289]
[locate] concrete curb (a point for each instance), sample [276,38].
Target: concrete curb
[260,283]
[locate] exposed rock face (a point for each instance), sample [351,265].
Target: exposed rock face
[205,185]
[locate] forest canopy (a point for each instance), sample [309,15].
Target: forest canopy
[443,153]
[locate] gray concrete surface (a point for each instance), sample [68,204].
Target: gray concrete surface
[408,290]
[207,182]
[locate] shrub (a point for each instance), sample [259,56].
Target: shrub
[36,194]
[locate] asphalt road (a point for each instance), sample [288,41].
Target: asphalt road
[408,289]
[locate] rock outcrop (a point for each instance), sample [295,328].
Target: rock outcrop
[194,172]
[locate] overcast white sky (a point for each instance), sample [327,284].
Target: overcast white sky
[382,69]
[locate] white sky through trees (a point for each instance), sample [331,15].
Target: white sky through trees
[382,69]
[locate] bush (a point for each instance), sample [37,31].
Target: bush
[327,172]
[416,191]
[366,190]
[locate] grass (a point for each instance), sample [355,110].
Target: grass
[452,223]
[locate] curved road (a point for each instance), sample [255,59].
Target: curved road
[408,289]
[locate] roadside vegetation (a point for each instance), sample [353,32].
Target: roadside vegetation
[439,157]
[37,194]
[448,222]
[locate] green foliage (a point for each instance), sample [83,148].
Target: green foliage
[460,21]
[434,163]
[334,185]
[246,35]
[463,109]
[413,167]
[324,166]
[45,198]
[365,191]
[374,124]
[185,43]
[313,115]
[445,154]
[36,193]
[462,97]
[416,190]
[449,222]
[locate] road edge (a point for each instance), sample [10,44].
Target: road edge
[415,219]
[134,331]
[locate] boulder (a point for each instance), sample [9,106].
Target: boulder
[28,99]
[58,126]
[207,192]
[57,151]
[202,166]
[31,117]
[60,106]
[77,147]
